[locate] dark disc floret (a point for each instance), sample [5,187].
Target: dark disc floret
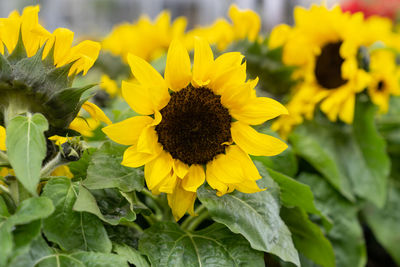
[195,125]
[328,66]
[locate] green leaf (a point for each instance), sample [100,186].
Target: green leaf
[370,175]
[293,193]
[23,236]
[106,171]
[347,155]
[40,255]
[255,216]
[385,222]
[80,230]
[165,244]
[131,255]
[26,148]
[346,234]
[28,212]
[317,144]
[124,235]
[79,168]
[114,208]
[308,237]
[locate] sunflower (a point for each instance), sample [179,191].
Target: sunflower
[385,78]
[144,38]
[245,24]
[324,45]
[38,68]
[195,125]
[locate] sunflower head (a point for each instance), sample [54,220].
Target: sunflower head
[326,46]
[195,125]
[144,38]
[37,69]
[385,78]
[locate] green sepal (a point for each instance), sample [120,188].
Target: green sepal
[19,51]
[5,69]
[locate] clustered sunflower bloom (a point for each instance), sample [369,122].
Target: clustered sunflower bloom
[194,125]
[149,40]
[245,24]
[326,46]
[144,38]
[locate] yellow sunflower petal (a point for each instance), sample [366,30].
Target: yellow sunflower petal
[248,168]
[137,97]
[180,168]
[230,78]
[2,138]
[203,59]
[224,62]
[132,158]
[127,132]
[177,71]
[148,141]
[62,171]
[215,183]
[255,143]
[228,168]
[157,169]
[258,110]
[146,74]
[95,112]
[62,44]
[346,114]
[248,187]
[168,184]
[181,201]
[194,178]
[85,54]
[84,126]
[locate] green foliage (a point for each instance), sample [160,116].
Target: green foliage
[131,255]
[81,230]
[385,222]
[26,148]
[105,170]
[166,244]
[255,216]
[346,234]
[308,237]
[108,205]
[344,155]
[40,255]
[19,229]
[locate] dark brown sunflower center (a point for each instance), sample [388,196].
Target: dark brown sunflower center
[194,126]
[328,66]
[381,86]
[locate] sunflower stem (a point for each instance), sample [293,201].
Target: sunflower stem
[188,221]
[50,166]
[198,220]
[149,194]
[133,225]
[4,159]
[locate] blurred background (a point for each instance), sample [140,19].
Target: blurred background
[97,17]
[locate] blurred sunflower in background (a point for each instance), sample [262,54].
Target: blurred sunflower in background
[327,46]
[194,125]
[145,38]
